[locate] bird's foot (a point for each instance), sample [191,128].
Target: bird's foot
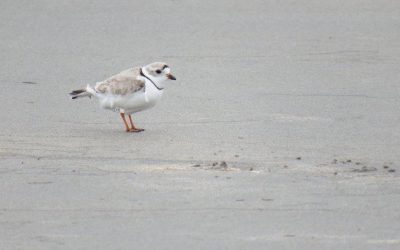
[135,130]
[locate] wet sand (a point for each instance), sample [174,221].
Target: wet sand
[281,132]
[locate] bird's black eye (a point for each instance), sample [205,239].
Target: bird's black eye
[158,71]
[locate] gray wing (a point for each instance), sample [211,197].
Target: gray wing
[123,83]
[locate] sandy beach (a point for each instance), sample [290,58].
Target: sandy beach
[281,131]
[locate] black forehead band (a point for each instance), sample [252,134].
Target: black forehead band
[165,66]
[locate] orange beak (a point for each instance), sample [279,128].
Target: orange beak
[171,77]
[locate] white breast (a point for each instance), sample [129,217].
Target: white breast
[152,95]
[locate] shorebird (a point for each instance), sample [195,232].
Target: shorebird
[130,91]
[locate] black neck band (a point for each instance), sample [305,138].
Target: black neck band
[142,74]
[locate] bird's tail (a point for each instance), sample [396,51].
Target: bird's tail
[88,92]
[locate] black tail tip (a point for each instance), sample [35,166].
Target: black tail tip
[77,92]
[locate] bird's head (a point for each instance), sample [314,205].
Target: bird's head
[159,72]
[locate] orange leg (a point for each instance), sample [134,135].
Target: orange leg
[126,124]
[133,128]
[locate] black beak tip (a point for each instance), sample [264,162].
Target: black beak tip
[171,77]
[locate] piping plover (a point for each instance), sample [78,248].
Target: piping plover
[130,91]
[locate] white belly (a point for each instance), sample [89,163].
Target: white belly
[131,103]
